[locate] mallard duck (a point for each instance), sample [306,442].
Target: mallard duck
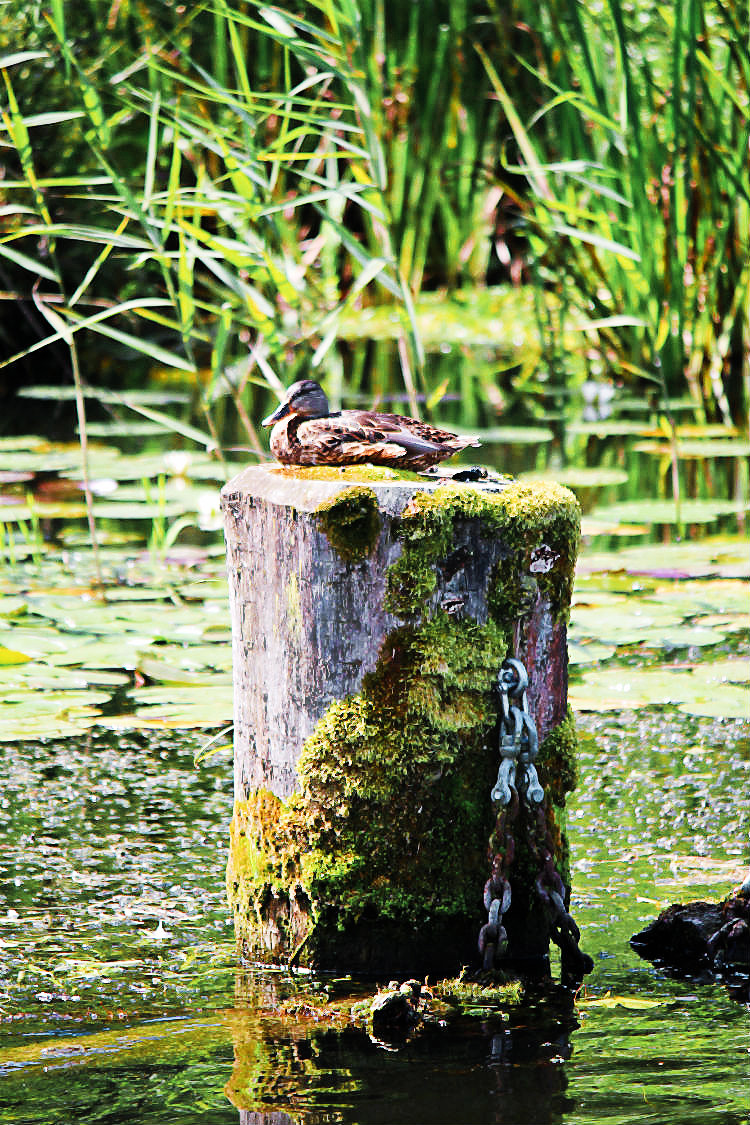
[305,432]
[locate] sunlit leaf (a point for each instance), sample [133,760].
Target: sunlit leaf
[722,701]
[664,512]
[632,1003]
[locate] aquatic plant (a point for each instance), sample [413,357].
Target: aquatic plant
[638,204]
[199,214]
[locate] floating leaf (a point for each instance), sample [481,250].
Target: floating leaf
[664,512]
[510,435]
[720,595]
[591,527]
[734,447]
[684,636]
[590,652]
[10,656]
[627,622]
[727,557]
[633,1003]
[582,478]
[725,701]
[91,969]
[615,688]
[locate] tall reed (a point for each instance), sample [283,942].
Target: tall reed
[637,164]
[220,207]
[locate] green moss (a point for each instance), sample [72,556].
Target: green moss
[556,762]
[351,522]
[538,524]
[395,780]
[469,995]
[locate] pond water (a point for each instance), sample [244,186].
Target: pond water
[120,999]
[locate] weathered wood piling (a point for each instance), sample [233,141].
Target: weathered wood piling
[371,613]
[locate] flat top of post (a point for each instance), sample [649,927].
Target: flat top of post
[307,488]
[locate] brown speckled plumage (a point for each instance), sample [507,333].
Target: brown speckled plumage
[306,433]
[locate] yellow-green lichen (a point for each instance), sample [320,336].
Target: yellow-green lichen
[351,522]
[346,474]
[272,911]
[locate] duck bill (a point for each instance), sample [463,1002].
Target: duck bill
[280,412]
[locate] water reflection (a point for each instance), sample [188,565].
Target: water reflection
[508,1070]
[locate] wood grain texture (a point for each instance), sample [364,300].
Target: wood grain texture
[308,625]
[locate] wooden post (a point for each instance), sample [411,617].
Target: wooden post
[371,611]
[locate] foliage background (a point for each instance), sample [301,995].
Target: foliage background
[216,189]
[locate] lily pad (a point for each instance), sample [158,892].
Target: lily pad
[12,656]
[27,725]
[664,511]
[627,622]
[612,689]
[631,1003]
[726,557]
[590,652]
[37,677]
[12,607]
[591,527]
[726,701]
[729,447]
[619,688]
[510,435]
[697,596]
[608,428]
[685,636]
[734,671]
[581,478]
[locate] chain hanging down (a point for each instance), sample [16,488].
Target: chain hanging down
[519,741]
[517,774]
[518,784]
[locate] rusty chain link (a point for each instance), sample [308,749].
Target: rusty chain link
[517,779]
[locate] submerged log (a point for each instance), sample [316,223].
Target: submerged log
[371,612]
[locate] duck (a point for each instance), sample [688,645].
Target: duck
[306,432]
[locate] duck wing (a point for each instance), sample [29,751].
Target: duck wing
[410,430]
[415,437]
[337,439]
[356,435]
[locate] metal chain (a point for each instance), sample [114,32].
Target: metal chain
[519,741]
[517,775]
[517,778]
[493,939]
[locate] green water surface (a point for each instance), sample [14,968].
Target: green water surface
[118,982]
[120,999]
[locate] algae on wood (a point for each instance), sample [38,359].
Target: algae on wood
[370,619]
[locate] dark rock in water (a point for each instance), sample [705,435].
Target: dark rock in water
[680,935]
[703,936]
[396,1009]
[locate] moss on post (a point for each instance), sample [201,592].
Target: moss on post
[376,862]
[351,522]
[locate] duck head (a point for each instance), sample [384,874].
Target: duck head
[305,397]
